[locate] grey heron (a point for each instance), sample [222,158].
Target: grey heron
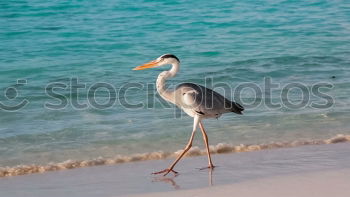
[195,100]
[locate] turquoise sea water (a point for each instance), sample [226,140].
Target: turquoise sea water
[229,42]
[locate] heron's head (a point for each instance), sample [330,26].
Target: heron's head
[160,61]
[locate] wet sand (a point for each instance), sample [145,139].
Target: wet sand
[301,171]
[328,183]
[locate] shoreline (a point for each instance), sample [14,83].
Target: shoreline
[135,178]
[194,151]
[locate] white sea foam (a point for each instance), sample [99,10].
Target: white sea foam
[194,151]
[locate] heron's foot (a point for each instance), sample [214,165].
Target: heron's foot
[166,171]
[209,167]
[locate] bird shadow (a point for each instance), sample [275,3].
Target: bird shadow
[172,182]
[168,180]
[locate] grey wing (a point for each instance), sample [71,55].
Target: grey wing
[204,101]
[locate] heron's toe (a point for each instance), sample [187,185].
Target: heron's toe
[209,167]
[166,171]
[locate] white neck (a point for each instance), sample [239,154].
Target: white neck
[162,77]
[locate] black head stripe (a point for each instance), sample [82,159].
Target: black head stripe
[170,56]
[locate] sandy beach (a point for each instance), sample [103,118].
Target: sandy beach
[321,170]
[329,183]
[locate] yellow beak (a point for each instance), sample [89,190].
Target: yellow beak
[151,64]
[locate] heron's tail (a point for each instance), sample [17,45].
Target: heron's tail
[237,108]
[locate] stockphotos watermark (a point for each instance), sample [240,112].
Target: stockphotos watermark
[80,96]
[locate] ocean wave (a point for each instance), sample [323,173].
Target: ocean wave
[194,151]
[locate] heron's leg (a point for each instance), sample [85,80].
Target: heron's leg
[205,138]
[188,146]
